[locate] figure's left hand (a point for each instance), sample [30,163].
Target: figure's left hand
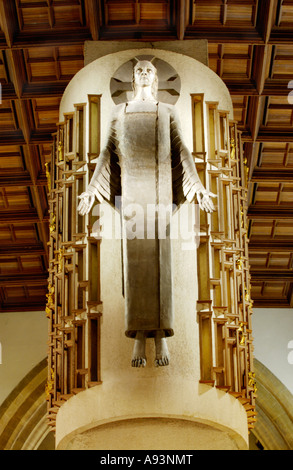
[204,198]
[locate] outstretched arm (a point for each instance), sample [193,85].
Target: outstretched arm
[94,189]
[105,183]
[204,198]
[86,202]
[184,169]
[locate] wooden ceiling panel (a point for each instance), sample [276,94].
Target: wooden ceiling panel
[275,155]
[65,14]
[41,68]
[282,65]
[222,60]
[278,112]
[285,17]
[241,12]
[4,74]
[31,264]
[11,158]
[6,234]
[229,69]
[41,71]
[45,153]
[22,297]
[264,260]
[8,119]
[224,18]
[53,63]
[33,15]
[46,15]
[135,19]
[22,232]
[15,197]
[46,112]
[286,196]
[151,12]
[271,230]
[137,12]
[284,230]
[9,265]
[240,106]
[270,294]
[11,293]
[267,193]
[242,52]
[205,12]
[224,12]
[260,230]
[21,264]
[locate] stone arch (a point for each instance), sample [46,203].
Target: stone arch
[274,405]
[23,414]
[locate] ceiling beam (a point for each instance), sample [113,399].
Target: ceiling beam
[9,22]
[21,249]
[273,175]
[275,275]
[20,180]
[266,17]
[21,215]
[281,36]
[93,15]
[270,303]
[11,138]
[35,90]
[224,34]
[52,37]
[262,57]
[241,87]
[181,19]
[276,87]
[275,135]
[272,245]
[269,212]
[24,305]
[17,67]
[20,279]
[15,179]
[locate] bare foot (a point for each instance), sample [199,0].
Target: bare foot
[162,352]
[138,355]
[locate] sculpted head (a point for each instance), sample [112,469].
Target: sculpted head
[145,75]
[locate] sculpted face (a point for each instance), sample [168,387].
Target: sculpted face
[144,73]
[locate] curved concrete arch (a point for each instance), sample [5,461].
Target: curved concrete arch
[23,414]
[274,405]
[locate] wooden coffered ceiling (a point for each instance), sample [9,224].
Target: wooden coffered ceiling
[41,49]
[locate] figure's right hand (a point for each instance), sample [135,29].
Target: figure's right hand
[87,200]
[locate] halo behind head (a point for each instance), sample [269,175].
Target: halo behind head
[169,83]
[155,84]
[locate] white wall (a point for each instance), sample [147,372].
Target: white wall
[23,336]
[273,333]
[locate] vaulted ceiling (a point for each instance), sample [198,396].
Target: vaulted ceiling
[41,48]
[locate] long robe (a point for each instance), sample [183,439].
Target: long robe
[146,163]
